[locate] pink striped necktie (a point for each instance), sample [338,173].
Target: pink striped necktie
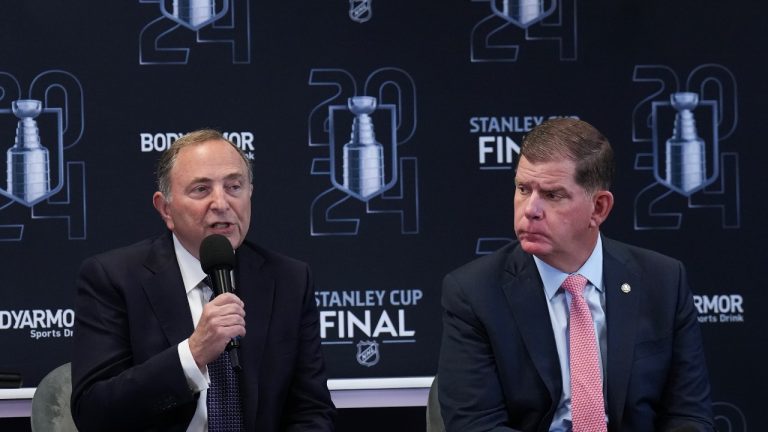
[587,408]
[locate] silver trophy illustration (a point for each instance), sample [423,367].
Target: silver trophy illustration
[194,12]
[685,152]
[363,156]
[523,12]
[28,163]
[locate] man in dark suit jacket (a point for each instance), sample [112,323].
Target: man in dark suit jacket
[144,335]
[504,360]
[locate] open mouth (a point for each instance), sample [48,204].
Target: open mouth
[221,225]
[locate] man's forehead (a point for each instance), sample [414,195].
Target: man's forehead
[208,152]
[220,145]
[548,168]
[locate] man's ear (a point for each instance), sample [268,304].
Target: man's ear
[602,202]
[161,205]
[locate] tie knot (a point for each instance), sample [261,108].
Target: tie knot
[206,290]
[575,284]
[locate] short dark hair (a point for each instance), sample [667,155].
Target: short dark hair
[168,159]
[577,140]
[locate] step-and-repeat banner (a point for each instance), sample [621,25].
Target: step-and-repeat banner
[440,95]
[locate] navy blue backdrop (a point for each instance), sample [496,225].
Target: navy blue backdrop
[456,85]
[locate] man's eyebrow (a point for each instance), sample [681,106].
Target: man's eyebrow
[553,188]
[556,190]
[235,176]
[201,180]
[232,176]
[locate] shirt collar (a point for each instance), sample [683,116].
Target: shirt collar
[592,270]
[191,272]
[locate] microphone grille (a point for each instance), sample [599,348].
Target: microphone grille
[216,252]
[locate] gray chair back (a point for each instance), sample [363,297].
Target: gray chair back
[50,404]
[434,418]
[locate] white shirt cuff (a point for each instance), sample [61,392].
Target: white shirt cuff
[196,379]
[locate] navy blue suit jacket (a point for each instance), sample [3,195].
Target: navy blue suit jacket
[131,313]
[499,369]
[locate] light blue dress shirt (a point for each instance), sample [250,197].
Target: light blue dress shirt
[559,303]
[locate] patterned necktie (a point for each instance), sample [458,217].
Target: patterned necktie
[587,408]
[225,410]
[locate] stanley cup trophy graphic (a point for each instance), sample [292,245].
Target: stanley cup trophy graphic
[685,153]
[523,12]
[363,156]
[194,12]
[28,165]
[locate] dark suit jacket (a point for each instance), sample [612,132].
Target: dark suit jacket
[132,311]
[499,369]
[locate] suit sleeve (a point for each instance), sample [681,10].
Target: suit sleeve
[686,400]
[309,406]
[470,392]
[111,391]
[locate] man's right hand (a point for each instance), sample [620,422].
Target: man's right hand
[223,318]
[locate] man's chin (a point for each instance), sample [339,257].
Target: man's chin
[232,235]
[235,239]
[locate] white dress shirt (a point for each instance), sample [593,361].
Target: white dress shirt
[197,295]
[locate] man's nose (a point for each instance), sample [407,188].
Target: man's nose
[219,199]
[533,209]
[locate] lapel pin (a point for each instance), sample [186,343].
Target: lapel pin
[625,288]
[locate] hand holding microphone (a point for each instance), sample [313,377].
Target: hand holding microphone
[222,320]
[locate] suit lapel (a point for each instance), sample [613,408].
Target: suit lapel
[525,294]
[256,287]
[621,317]
[165,291]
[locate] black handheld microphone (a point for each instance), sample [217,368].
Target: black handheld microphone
[218,260]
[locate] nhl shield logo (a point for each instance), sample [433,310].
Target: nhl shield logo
[194,14]
[522,13]
[367,353]
[360,10]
